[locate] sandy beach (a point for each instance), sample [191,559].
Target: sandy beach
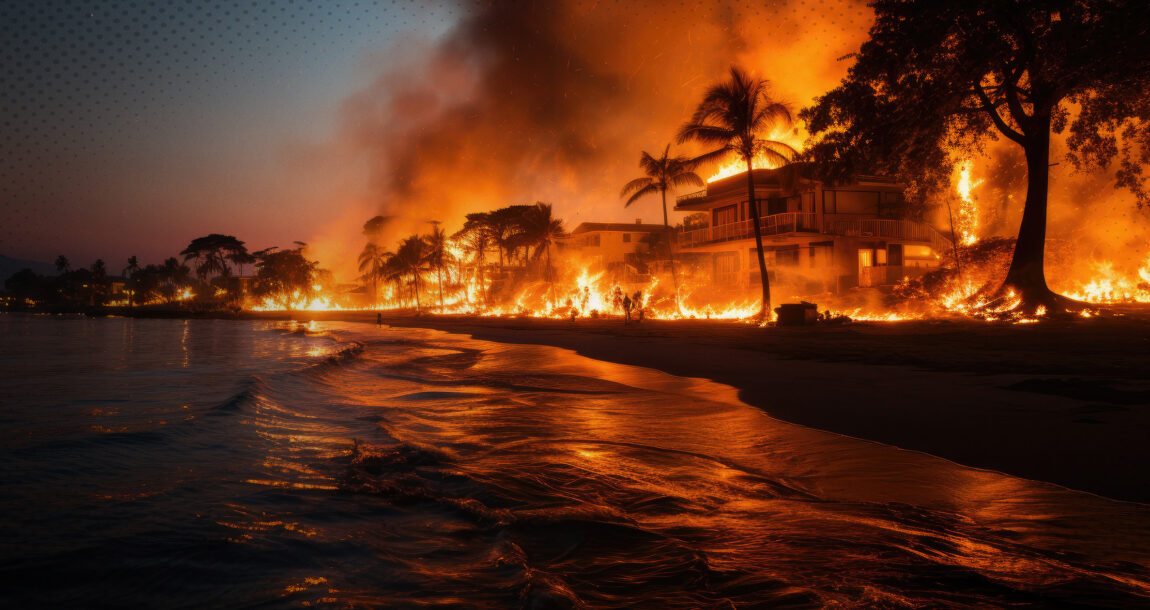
[1063,402]
[1066,402]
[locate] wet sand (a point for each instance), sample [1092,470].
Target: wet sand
[1063,402]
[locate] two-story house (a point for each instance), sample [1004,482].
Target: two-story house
[837,235]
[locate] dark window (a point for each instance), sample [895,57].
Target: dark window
[626,238]
[724,215]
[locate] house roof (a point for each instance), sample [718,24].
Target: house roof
[621,227]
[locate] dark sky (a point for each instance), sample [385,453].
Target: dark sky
[131,126]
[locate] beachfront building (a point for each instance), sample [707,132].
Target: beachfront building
[817,237]
[618,247]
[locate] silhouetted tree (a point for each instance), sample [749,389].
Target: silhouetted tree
[409,260]
[212,253]
[733,116]
[129,273]
[539,229]
[62,264]
[934,75]
[663,173]
[285,276]
[437,256]
[372,263]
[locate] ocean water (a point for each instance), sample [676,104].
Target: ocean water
[238,464]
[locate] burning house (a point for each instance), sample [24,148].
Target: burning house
[622,249]
[817,237]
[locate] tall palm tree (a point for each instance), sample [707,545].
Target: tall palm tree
[476,235]
[663,173]
[62,264]
[129,274]
[732,116]
[373,265]
[437,256]
[539,228]
[409,259]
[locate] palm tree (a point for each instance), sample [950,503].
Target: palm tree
[437,256]
[175,275]
[62,264]
[373,265]
[410,259]
[539,228]
[129,274]
[662,173]
[476,235]
[732,116]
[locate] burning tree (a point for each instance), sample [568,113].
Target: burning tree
[285,276]
[938,75]
[665,172]
[733,116]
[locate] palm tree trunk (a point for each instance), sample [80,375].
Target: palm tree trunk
[439,273]
[764,310]
[415,288]
[671,236]
[550,275]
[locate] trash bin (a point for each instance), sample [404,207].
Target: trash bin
[797,314]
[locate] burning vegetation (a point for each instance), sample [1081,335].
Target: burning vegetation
[917,182]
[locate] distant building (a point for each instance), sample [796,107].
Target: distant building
[612,245]
[830,237]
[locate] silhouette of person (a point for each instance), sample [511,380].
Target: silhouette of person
[379,319]
[638,304]
[626,309]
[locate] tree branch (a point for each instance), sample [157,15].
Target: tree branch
[989,107]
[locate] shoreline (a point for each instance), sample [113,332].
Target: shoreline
[1062,402]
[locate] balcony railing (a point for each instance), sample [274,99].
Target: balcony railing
[792,222]
[775,224]
[690,196]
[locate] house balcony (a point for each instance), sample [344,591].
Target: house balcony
[796,222]
[775,224]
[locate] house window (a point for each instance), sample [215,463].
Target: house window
[725,215]
[880,256]
[726,268]
[593,241]
[787,256]
[626,238]
[856,202]
[829,202]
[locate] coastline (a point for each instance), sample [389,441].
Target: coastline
[1062,402]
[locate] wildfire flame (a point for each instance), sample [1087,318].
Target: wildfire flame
[967,220]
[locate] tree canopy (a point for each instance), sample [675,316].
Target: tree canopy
[936,77]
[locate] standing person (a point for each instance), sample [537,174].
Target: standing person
[638,304]
[378,319]
[626,310]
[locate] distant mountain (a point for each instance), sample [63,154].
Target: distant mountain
[10,266]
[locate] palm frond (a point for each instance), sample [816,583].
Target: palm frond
[650,189]
[716,156]
[687,178]
[634,185]
[706,134]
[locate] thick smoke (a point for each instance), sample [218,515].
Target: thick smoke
[553,101]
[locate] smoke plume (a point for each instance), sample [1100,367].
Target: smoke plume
[553,101]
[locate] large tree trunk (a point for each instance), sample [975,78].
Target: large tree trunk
[671,245]
[765,309]
[1027,276]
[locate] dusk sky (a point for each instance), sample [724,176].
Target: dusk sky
[131,127]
